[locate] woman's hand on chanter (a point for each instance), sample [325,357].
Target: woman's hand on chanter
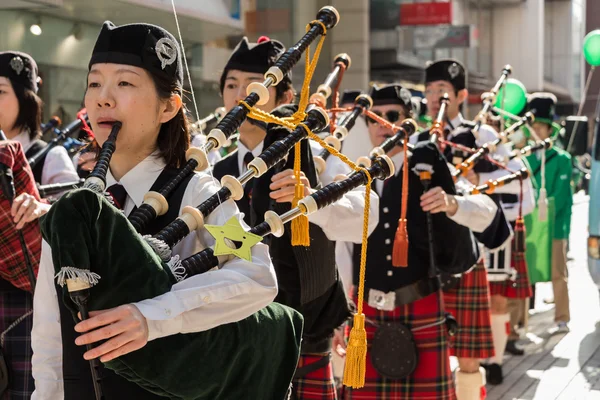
[124,328]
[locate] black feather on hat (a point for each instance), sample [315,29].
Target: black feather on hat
[449,70]
[391,94]
[19,68]
[140,45]
[348,96]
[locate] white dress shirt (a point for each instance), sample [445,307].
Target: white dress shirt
[230,293]
[58,167]
[343,220]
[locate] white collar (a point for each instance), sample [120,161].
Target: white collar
[24,139]
[457,121]
[138,181]
[242,150]
[398,160]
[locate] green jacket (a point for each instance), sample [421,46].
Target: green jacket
[558,185]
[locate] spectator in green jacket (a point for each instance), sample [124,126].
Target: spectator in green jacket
[558,185]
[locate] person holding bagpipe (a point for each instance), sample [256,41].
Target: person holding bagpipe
[135,83]
[21,117]
[307,275]
[421,232]
[20,248]
[482,328]
[553,177]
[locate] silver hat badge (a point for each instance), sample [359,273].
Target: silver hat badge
[166,51]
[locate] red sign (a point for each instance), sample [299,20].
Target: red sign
[426,13]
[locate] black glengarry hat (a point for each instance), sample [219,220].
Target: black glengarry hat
[255,57]
[140,45]
[543,106]
[19,68]
[449,70]
[391,94]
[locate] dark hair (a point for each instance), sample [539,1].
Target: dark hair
[280,89]
[30,110]
[174,136]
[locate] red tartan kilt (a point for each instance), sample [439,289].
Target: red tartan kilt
[14,304]
[317,385]
[469,303]
[520,288]
[432,379]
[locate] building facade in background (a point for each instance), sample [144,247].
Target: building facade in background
[69,29]
[388,40]
[541,39]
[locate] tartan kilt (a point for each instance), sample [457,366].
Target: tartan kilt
[469,303]
[520,288]
[432,379]
[317,385]
[15,303]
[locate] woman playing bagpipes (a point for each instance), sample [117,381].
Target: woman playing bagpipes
[135,79]
[20,246]
[21,116]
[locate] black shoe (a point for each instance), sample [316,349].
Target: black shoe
[493,374]
[511,347]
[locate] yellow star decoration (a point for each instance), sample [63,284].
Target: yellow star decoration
[231,238]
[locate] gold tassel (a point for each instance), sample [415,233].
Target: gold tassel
[356,354]
[300,232]
[400,250]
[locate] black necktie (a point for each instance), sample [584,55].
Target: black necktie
[248,188]
[247,158]
[119,195]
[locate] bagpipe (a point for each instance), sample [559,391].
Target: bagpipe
[212,118]
[490,147]
[489,101]
[53,123]
[93,262]
[61,136]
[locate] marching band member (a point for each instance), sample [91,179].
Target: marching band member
[307,276]
[135,77]
[558,185]
[482,330]
[411,296]
[21,116]
[473,340]
[16,287]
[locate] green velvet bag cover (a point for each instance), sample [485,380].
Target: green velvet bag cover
[538,244]
[251,359]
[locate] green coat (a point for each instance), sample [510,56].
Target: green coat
[558,185]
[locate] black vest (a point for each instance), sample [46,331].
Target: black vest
[307,277]
[455,249]
[39,167]
[76,371]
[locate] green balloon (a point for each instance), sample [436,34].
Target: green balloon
[591,47]
[516,96]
